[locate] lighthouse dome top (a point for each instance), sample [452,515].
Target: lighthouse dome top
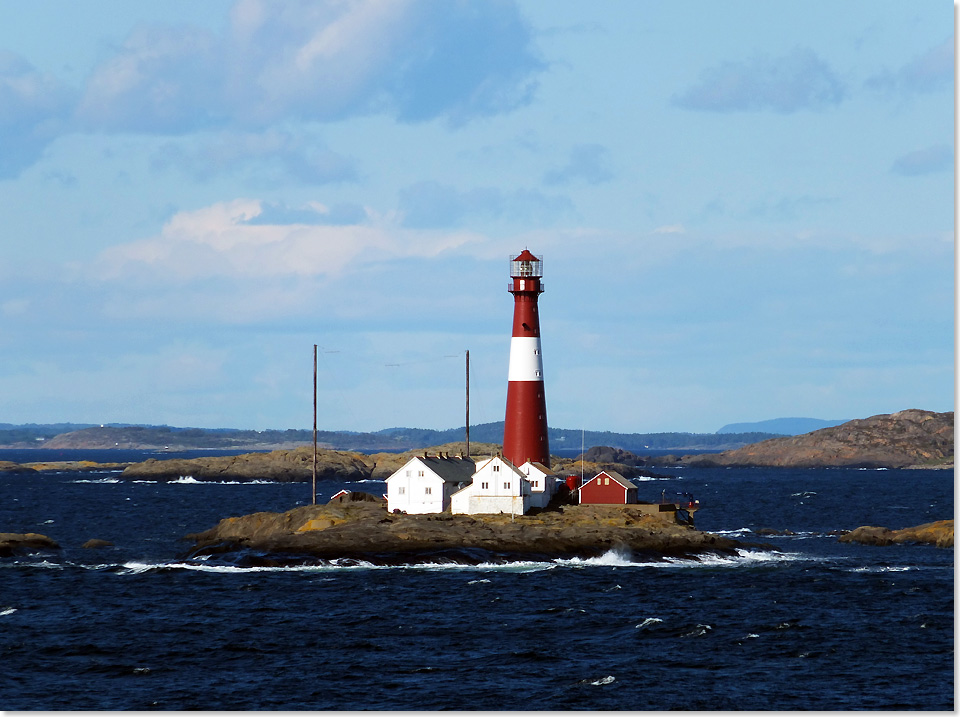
[526,265]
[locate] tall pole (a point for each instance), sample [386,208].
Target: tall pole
[468,403]
[314,494]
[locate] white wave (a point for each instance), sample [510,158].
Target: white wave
[614,558]
[186,479]
[743,558]
[604,680]
[649,622]
[96,480]
[478,581]
[7,611]
[370,480]
[738,531]
[144,481]
[698,631]
[883,569]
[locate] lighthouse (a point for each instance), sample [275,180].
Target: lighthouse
[525,426]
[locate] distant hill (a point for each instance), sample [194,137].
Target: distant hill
[782,426]
[390,439]
[906,439]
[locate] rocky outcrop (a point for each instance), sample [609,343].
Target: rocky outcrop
[365,531]
[297,464]
[294,465]
[939,533]
[12,544]
[97,543]
[11,467]
[910,438]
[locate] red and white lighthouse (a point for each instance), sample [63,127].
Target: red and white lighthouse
[525,426]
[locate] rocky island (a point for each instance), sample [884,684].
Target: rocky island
[906,439]
[362,529]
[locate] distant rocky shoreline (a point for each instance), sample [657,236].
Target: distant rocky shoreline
[906,439]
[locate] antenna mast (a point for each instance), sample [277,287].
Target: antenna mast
[314,495]
[468,403]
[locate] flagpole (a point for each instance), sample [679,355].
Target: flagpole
[314,494]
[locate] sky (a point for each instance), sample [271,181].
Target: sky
[745,210]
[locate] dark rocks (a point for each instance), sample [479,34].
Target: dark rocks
[12,544]
[938,533]
[97,543]
[11,467]
[907,439]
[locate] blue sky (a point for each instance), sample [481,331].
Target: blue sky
[745,210]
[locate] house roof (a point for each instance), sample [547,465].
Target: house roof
[542,468]
[617,477]
[509,464]
[451,470]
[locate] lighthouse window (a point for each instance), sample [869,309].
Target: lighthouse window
[538,374]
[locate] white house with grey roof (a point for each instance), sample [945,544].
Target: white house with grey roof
[424,484]
[497,487]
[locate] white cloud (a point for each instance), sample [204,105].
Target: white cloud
[930,71]
[221,240]
[799,80]
[669,229]
[33,110]
[413,59]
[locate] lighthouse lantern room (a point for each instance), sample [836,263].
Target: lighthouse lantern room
[525,424]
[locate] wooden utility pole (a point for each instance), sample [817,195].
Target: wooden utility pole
[314,495]
[468,403]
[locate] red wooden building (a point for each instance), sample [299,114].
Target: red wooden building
[608,487]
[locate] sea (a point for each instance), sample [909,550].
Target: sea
[801,622]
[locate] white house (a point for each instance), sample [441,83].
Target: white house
[543,483]
[498,487]
[424,484]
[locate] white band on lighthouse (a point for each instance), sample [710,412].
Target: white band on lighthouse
[526,364]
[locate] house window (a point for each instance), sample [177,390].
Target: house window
[428,491]
[536,483]
[409,472]
[507,485]
[606,481]
[401,490]
[484,486]
[496,469]
[420,473]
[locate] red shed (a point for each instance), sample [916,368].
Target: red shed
[608,487]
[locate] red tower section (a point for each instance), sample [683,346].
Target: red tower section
[525,426]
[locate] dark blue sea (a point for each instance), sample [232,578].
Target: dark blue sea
[814,624]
